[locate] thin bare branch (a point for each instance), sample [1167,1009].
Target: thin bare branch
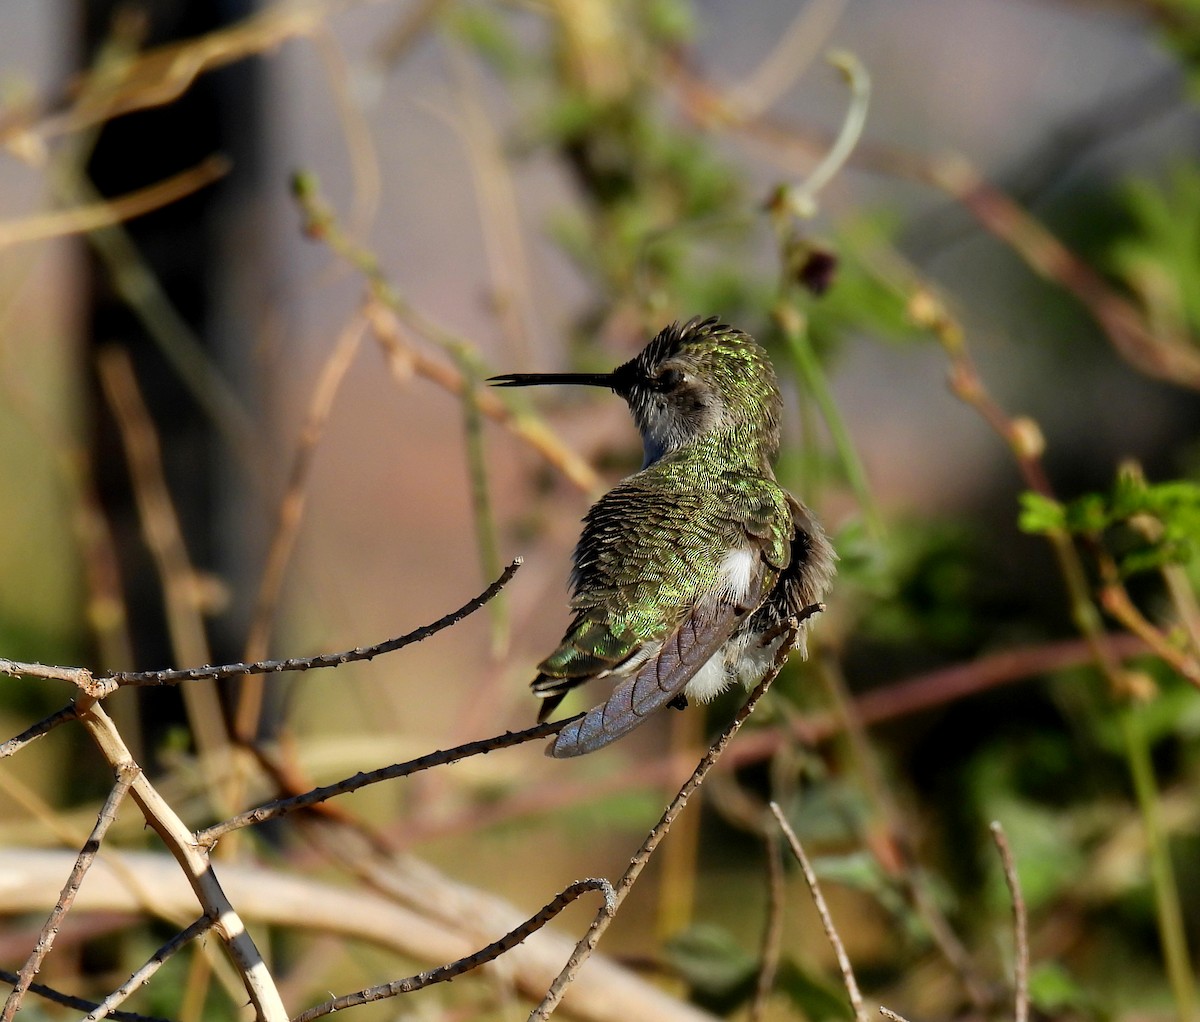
[839,949]
[108,1007]
[207,838]
[42,727]
[289,517]
[79,1003]
[126,774]
[387,308]
[183,590]
[163,74]
[193,861]
[81,677]
[1020,923]
[772,937]
[93,216]
[103,686]
[889,1014]
[99,688]
[603,919]
[448,972]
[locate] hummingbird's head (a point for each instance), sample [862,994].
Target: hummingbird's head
[702,379]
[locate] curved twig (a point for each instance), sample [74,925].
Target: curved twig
[445,973]
[839,949]
[99,688]
[126,774]
[140,977]
[1020,923]
[79,1003]
[42,727]
[207,838]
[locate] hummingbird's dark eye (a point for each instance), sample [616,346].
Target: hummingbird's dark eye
[668,380]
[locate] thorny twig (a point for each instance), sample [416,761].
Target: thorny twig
[126,774]
[839,949]
[194,862]
[98,688]
[207,838]
[36,731]
[1020,923]
[772,937]
[79,1003]
[445,973]
[140,977]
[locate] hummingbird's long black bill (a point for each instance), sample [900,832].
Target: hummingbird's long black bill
[541,379]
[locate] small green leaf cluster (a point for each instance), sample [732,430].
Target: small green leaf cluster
[1159,522]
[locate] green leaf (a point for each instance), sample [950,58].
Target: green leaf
[1053,990]
[1158,258]
[720,973]
[1041,514]
[1154,523]
[815,997]
[1048,858]
[1088,514]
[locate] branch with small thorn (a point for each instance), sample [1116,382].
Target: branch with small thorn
[100,687]
[445,973]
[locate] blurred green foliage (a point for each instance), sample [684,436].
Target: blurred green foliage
[1159,523]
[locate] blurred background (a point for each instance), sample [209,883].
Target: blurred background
[255,260]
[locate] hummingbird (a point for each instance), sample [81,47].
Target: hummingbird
[687,572]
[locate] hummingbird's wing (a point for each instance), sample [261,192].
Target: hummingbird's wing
[662,581]
[804,580]
[656,682]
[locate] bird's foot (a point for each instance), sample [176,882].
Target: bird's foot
[680,702]
[810,611]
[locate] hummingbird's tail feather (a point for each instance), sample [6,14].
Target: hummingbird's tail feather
[655,684]
[552,691]
[589,650]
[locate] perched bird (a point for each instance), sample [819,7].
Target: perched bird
[687,570]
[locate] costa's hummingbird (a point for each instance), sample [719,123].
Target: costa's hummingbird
[687,570]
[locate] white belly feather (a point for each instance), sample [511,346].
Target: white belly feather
[736,577]
[736,574]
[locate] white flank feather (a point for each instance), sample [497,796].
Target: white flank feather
[736,574]
[710,681]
